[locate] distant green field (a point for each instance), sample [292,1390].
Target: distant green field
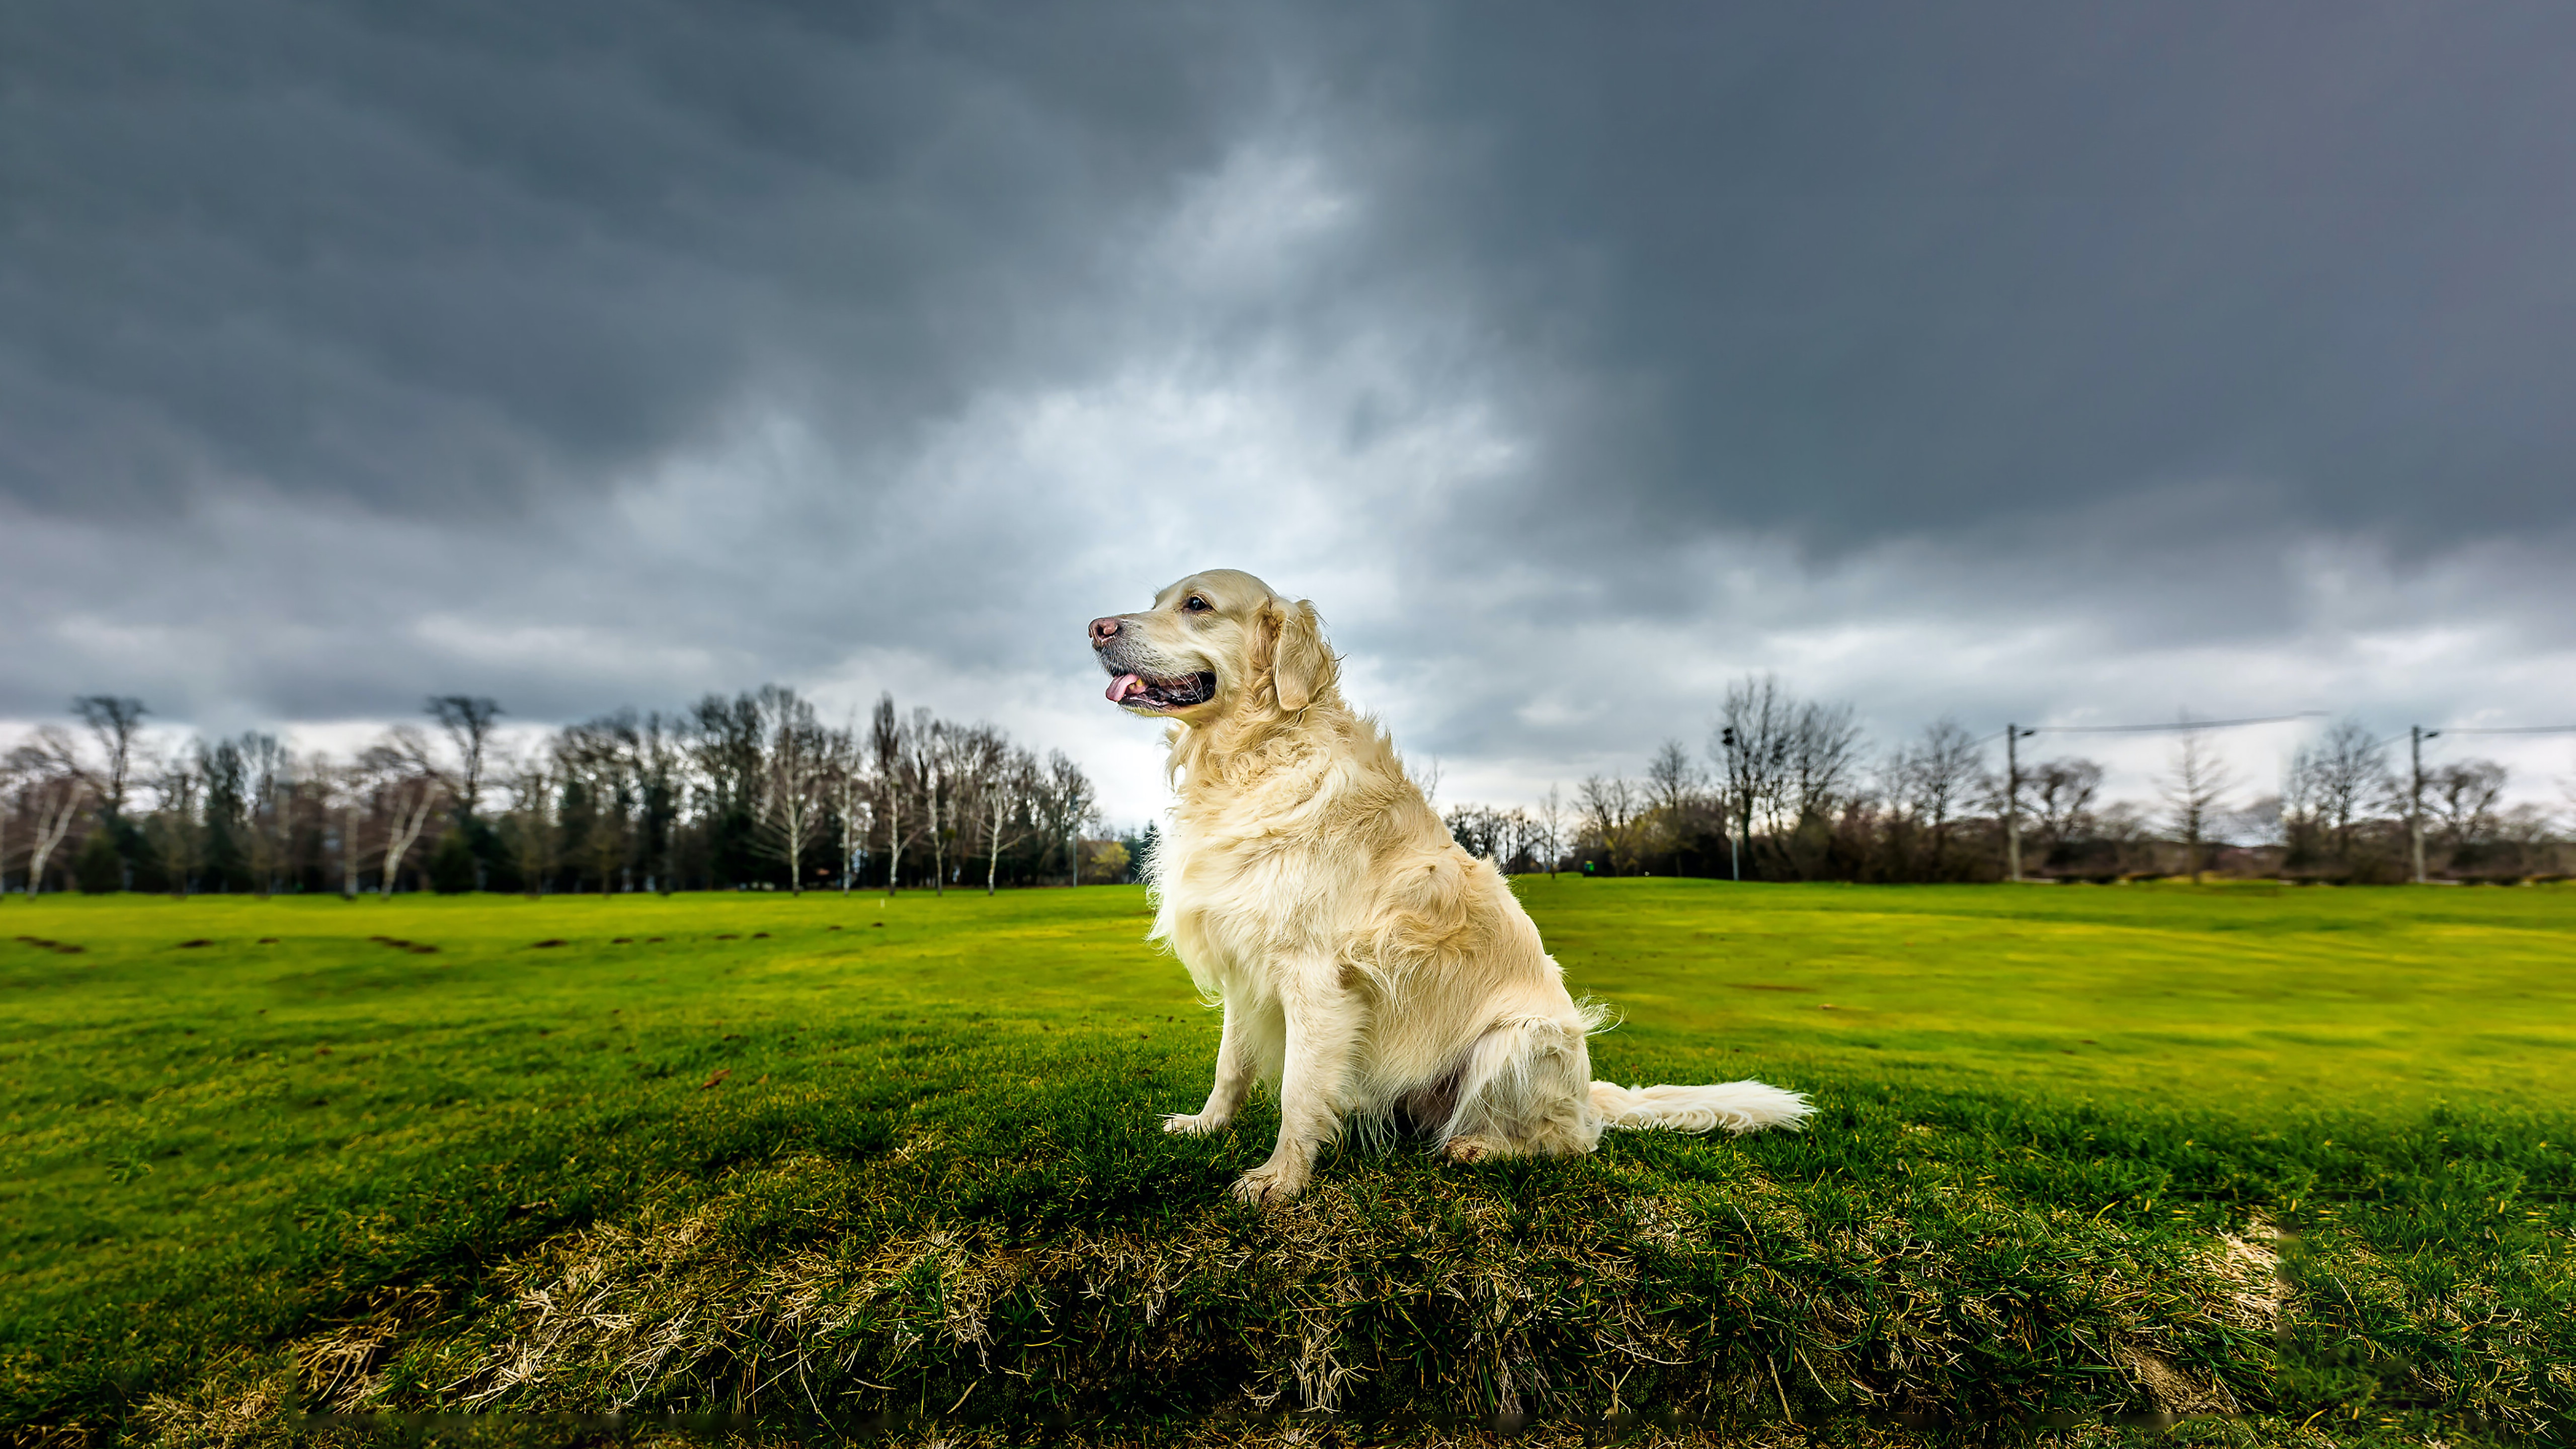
[235,1124]
[2230,994]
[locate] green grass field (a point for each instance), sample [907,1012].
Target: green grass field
[807,1161]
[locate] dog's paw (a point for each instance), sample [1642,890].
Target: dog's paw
[1471,1149]
[1268,1186]
[1185,1124]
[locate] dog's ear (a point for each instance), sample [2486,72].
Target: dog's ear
[1301,663]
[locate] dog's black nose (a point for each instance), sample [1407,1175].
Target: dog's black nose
[1102,631]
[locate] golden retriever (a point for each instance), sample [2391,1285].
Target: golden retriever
[1369,968]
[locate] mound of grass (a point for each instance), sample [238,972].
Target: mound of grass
[851,1169]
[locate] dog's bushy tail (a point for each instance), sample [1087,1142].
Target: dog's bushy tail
[1735,1106]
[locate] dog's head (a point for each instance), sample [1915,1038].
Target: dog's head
[1214,644]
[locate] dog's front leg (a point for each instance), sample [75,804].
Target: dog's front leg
[1323,1023]
[1237,1066]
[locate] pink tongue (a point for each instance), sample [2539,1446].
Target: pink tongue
[1123,686]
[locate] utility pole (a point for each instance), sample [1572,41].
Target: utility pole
[2013,736]
[1734,856]
[2416,735]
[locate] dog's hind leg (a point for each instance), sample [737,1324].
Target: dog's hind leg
[1324,1023]
[1250,1038]
[1525,1092]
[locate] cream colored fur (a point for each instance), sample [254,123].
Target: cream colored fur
[1369,968]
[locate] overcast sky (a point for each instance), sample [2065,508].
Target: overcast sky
[2071,364]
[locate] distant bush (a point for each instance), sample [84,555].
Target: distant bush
[98,869]
[451,865]
[1104,862]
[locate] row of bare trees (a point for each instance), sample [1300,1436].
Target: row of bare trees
[2348,806]
[1790,789]
[110,808]
[748,791]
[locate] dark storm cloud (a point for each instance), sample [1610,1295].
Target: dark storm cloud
[1998,358]
[440,257]
[1848,274]
[1862,273]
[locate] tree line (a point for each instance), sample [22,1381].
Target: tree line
[756,791]
[749,791]
[1790,789]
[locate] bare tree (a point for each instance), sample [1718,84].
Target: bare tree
[1823,761]
[268,795]
[1529,842]
[1502,831]
[848,785]
[2343,777]
[2464,800]
[407,797]
[1750,748]
[1009,783]
[661,766]
[58,802]
[600,757]
[2195,787]
[9,783]
[2061,797]
[631,803]
[1672,784]
[460,769]
[1609,813]
[112,721]
[52,797]
[934,746]
[1935,777]
[976,755]
[1672,777]
[419,754]
[2303,824]
[1513,840]
[1426,778]
[52,752]
[726,746]
[227,813]
[2255,819]
[1479,830]
[2529,832]
[794,774]
[1062,802]
[1550,820]
[890,742]
[530,831]
[348,785]
[468,722]
[176,832]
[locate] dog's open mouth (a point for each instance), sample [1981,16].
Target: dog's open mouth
[1144,689]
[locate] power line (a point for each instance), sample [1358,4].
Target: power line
[2480,730]
[2013,734]
[2189,724]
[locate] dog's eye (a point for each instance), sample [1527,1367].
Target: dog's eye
[1195,604]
